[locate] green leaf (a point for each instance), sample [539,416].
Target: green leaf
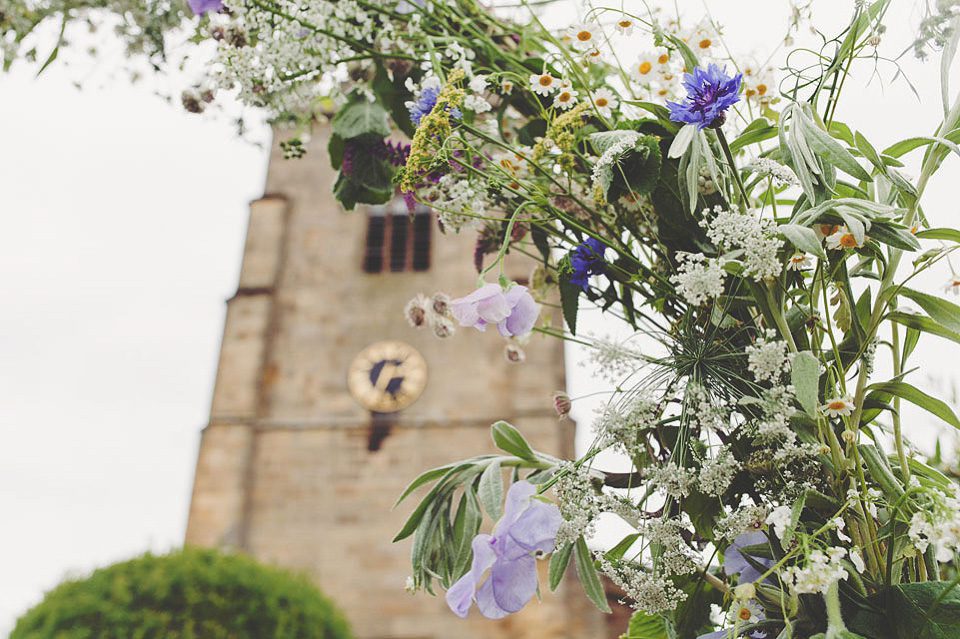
[643,625]
[491,489]
[588,576]
[946,234]
[466,525]
[569,294]
[508,439]
[559,561]
[926,610]
[360,117]
[832,151]
[622,547]
[904,146]
[804,238]
[805,376]
[917,397]
[944,312]
[422,479]
[923,323]
[864,146]
[757,131]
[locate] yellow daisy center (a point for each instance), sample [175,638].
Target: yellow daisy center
[705,43]
[584,36]
[837,405]
[663,58]
[602,102]
[745,614]
[848,241]
[644,67]
[546,80]
[565,96]
[761,89]
[625,24]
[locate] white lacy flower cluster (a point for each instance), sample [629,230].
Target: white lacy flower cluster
[699,278]
[821,570]
[278,63]
[747,517]
[780,174]
[612,359]
[941,528]
[619,426]
[650,593]
[754,240]
[457,202]
[675,556]
[580,503]
[673,479]
[716,473]
[767,359]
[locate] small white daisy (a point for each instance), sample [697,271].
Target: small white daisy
[566,98]
[838,407]
[952,285]
[625,25]
[841,239]
[543,83]
[642,70]
[799,261]
[585,35]
[605,100]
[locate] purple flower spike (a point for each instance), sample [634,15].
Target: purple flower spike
[527,529]
[710,92]
[200,7]
[735,564]
[514,312]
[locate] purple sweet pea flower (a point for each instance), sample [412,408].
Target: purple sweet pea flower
[735,564]
[527,529]
[710,92]
[200,7]
[514,311]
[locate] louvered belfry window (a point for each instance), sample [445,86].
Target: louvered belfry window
[397,241]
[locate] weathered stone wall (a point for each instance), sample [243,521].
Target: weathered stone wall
[284,470]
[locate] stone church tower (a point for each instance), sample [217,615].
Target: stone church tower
[295,469]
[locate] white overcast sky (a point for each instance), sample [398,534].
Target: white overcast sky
[121,227]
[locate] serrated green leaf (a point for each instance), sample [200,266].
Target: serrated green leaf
[588,576]
[917,397]
[926,610]
[490,489]
[944,312]
[805,377]
[511,441]
[569,294]
[643,625]
[360,117]
[803,238]
[559,561]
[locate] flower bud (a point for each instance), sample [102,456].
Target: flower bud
[441,303]
[848,436]
[746,591]
[562,404]
[443,327]
[514,353]
[416,311]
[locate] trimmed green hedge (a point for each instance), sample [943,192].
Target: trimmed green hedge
[189,594]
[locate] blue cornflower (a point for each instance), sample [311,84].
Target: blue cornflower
[587,260]
[710,92]
[423,105]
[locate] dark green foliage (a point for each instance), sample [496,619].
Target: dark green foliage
[189,594]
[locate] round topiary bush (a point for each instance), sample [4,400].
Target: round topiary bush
[189,594]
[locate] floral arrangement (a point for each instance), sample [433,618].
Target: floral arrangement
[764,249]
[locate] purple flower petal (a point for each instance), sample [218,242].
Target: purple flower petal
[536,529]
[734,563]
[514,582]
[524,313]
[200,7]
[460,594]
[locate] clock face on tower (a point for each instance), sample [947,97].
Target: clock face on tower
[387,376]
